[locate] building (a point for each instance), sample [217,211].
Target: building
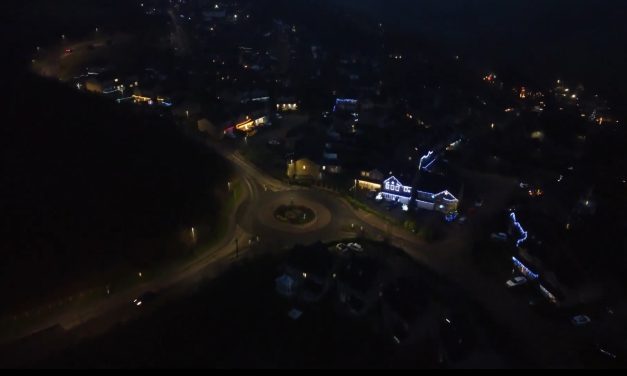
[248,124]
[255,96]
[346,104]
[286,104]
[405,312]
[285,285]
[370,181]
[431,194]
[359,284]
[311,268]
[303,170]
[395,191]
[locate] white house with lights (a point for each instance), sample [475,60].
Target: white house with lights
[394,190]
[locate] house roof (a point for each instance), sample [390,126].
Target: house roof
[359,273]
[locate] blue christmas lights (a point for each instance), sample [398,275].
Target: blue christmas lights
[524,270]
[520,229]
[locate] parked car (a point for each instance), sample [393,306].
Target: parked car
[355,247]
[516,281]
[340,247]
[580,320]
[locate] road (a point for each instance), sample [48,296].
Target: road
[450,258]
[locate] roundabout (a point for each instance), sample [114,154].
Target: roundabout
[294,215]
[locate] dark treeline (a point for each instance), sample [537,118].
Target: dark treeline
[88,185]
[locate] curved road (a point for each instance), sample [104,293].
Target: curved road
[450,258]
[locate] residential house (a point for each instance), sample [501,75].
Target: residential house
[303,170]
[358,284]
[312,269]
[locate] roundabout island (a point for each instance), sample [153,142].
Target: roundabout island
[296,215]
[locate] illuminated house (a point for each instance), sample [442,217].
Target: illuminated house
[429,196]
[346,104]
[370,180]
[394,190]
[249,124]
[286,105]
[303,169]
[255,96]
[311,268]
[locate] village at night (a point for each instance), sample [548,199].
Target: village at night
[313,184]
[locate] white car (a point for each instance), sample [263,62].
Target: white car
[517,281]
[355,247]
[580,320]
[341,247]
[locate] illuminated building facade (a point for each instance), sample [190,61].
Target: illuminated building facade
[251,124]
[303,169]
[394,191]
[346,104]
[287,105]
[370,181]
